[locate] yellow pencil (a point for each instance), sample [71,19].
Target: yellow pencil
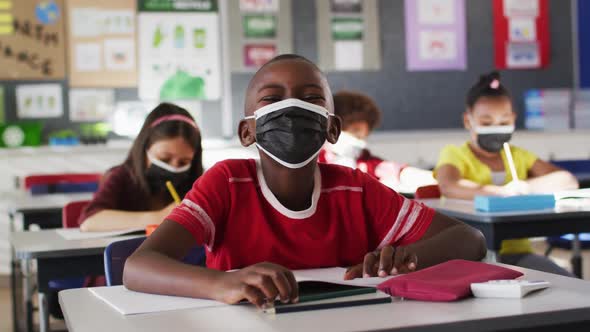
[173,192]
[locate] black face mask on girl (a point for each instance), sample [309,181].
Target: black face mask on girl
[159,172]
[492,138]
[291,131]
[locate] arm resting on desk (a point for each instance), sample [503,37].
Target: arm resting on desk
[114,220]
[546,177]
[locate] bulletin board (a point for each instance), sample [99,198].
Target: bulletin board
[102,43]
[32,43]
[350,29]
[179,50]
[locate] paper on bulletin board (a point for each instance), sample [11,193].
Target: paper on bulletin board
[102,43]
[32,45]
[522,29]
[436,38]
[259,6]
[523,55]
[348,55]
[179,56]
[519,8]
[346,6]
[91,104]
[38,101]
[256,55]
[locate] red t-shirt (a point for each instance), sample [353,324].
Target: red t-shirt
[231,210]
[368,163]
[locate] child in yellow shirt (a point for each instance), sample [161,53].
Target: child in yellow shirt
[479,166]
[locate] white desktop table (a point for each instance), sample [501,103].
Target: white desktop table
[57,258]
[566,302]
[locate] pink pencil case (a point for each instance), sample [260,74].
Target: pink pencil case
[449,281]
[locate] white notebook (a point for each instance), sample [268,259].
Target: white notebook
[76,234]
[129,302]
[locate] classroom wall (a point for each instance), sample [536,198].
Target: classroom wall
[409,100]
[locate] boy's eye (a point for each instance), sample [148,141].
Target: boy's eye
[270,99]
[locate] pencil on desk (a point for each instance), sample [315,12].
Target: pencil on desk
[510,161]
[173,192]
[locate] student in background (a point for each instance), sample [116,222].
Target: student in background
[134,194]
[479,166]
[286,211]
[360,116]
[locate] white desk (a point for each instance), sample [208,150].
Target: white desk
[57,258]
[567,301]
[44,210]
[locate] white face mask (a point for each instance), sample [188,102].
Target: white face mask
[167,166]
[348,146]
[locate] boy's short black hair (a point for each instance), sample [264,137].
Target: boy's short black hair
[489,85]
[353,107]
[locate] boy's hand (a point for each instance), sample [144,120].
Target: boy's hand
[384,262]
[259,284]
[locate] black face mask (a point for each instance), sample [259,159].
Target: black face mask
[492,142]
[159,172]
[291,131]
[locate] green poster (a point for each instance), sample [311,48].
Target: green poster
[177,5]
[20,134]
[347,28]
[2,119]
[259,26]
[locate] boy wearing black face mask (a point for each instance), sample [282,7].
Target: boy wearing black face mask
[479,167]
[286,211]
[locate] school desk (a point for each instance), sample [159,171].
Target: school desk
[57,258]
[43,210]
[499,226]
[566,302]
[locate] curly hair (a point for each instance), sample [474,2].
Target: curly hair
[353,107]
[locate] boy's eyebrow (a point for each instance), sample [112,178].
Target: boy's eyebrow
[278,86]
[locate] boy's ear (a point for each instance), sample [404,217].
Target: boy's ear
[334,128]
[247,132]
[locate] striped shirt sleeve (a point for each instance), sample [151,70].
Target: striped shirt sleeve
[204,207]
[395,220]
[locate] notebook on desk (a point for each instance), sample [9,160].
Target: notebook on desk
[76,234]
[514,203]
[319,289]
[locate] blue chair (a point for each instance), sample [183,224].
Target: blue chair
[117,253]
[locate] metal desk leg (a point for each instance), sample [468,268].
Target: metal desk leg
[28,294]
[43,313]
[577,256]
[13,269]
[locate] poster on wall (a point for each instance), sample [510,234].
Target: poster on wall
[102,43]
[435,35]
[32,43]
[179,51]
[347,36]
[39,101]
[521,34]
[91,105]
[259,6]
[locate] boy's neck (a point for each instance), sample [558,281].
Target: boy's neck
[293,188]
